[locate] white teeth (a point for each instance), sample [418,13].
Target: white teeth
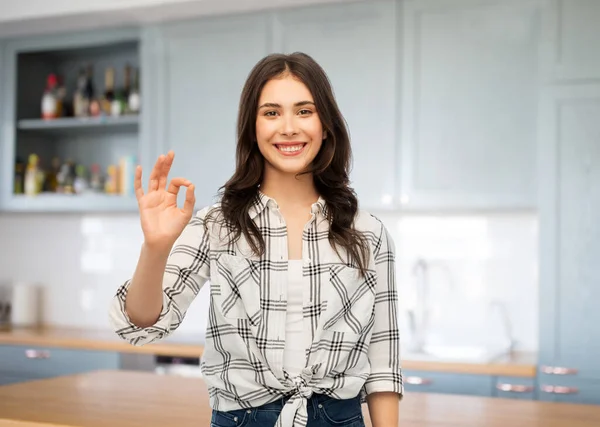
[291,148]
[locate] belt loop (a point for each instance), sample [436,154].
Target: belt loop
[315,406]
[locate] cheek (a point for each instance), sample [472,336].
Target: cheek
[316,131]
[264,129]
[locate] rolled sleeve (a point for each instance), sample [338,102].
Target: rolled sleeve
[187,270]
[384,348]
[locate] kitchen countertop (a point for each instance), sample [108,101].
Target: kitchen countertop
[518,364]
[104,340]
[182,345]
[124,399]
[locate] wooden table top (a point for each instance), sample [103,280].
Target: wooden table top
[132,399]
[189,345]
[12,423]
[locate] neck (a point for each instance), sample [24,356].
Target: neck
[289,189]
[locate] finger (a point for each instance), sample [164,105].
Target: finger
[166,168]
[176,183]
[137,183]
[154,176]
[190,200]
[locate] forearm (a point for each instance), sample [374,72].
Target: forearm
[145,295]
[383,409]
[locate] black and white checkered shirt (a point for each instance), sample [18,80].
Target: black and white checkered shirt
[352,321]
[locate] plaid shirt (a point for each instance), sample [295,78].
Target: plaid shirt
[352,320]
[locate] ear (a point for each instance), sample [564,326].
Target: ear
[324,135]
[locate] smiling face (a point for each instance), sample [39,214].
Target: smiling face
[289,132]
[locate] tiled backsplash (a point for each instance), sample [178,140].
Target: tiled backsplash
[474,262]
[472,259]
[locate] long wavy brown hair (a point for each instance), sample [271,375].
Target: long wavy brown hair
[330,168]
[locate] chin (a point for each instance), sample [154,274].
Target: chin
[288,169]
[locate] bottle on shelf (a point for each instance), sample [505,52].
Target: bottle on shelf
[80,184]
[51,100]
[94,108]
[19,183]
[126,91]
[119,104]
[109,91]
[96,182]
[127,165]
[134,101]
[66,177]
[81,99]
[34,176]
[51,181]
[111,185]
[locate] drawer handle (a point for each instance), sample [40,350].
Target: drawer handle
[417,381]
[515,388]
[37,354]
[557,389]
[557,370]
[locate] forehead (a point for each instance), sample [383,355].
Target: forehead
[285,90]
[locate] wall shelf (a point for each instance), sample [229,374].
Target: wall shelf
[49,202]
[123,123]
[112,145]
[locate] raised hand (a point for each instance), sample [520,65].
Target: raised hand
[162,220]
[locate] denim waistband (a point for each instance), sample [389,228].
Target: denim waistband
[278,404]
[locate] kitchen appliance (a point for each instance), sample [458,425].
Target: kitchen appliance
[20,304]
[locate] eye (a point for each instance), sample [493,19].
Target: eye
[271,113]
[305,112]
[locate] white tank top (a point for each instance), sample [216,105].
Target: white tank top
[294,358]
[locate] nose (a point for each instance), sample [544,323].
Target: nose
[288,125]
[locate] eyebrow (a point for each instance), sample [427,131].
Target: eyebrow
[274,105]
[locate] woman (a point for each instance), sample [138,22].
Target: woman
[302,322]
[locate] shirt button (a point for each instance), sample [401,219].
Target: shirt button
[308,261]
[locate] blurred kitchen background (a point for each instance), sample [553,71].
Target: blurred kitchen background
[476,137]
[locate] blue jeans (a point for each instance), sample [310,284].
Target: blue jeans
[323,411]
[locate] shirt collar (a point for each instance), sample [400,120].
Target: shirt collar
[262,201]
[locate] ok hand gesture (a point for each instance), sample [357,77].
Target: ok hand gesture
[162,221]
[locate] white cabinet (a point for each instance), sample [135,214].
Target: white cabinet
[570,243]
[201,67]
[356,45]
[572,34]
[469,104]
[440,97]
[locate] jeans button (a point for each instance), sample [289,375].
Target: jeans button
[320,406]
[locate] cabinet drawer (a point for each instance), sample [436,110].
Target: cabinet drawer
[449,383]
[514,388]
[573,390]
[42,362]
